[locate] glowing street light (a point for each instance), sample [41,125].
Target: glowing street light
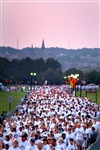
[65,77]
[32,74]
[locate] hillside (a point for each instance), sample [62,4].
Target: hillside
[85,59]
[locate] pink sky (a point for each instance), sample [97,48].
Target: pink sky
[60,23]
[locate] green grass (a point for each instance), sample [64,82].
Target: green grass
[17,95]
[92,96]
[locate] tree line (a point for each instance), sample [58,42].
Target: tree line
[50,70]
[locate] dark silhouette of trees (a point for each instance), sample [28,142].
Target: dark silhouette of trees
[18,71]
[53,64]
[4,68]
[93,77]
[74,71]
[52,77]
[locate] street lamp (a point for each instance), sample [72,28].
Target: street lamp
[32,74]
[65,79]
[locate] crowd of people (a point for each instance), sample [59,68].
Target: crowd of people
[88,87]
[51,119]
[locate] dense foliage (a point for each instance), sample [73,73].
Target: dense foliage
[18,71]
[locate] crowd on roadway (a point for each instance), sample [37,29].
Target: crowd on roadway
[51,119]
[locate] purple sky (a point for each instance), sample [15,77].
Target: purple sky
[64,24]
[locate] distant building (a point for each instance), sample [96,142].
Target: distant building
[43,47]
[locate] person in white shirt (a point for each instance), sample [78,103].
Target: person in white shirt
[24,142]
[69,135]
[61,144]
[7,141]
[45,145]
[15,145]
[84,145]
[79,133]
[32,145]
[16,133]
[54,145]
[71,146]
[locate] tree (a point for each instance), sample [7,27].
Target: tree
[93,77]
[1,79]
[41,78]
[39,65]
[4,68]
[74,71]
[52,77]
[53,64]
[23,69]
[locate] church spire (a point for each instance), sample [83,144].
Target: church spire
[32,46]
[43,46]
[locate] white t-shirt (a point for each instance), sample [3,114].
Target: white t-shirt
[79,133]
[46,147]
[71,147]
[69,136]
[57,147]
[88,130]
[12,148]
[8,142]
[16,134]
[23,145]
[62,146]
[57,135]
[29,147]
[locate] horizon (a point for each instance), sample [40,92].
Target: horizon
[50,47]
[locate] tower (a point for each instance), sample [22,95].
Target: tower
[43,46]
[32,46]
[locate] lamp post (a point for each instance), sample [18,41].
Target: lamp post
[32,74]
[80,89]
[65,79]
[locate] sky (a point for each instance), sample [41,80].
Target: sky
[67,24]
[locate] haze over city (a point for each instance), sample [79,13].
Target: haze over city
[67,24]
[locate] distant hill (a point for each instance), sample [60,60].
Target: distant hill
[80,58]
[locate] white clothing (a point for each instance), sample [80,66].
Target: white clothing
[79,133]
[23,145]
[57,135]
[57,147]
[71,147]
[29,147]
[69,136]
[12,148]
[8,142]
[16,135]
[46,147]
[62,146]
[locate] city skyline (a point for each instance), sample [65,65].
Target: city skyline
[70,25]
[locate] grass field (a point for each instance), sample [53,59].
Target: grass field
[17,95]
[92,96]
